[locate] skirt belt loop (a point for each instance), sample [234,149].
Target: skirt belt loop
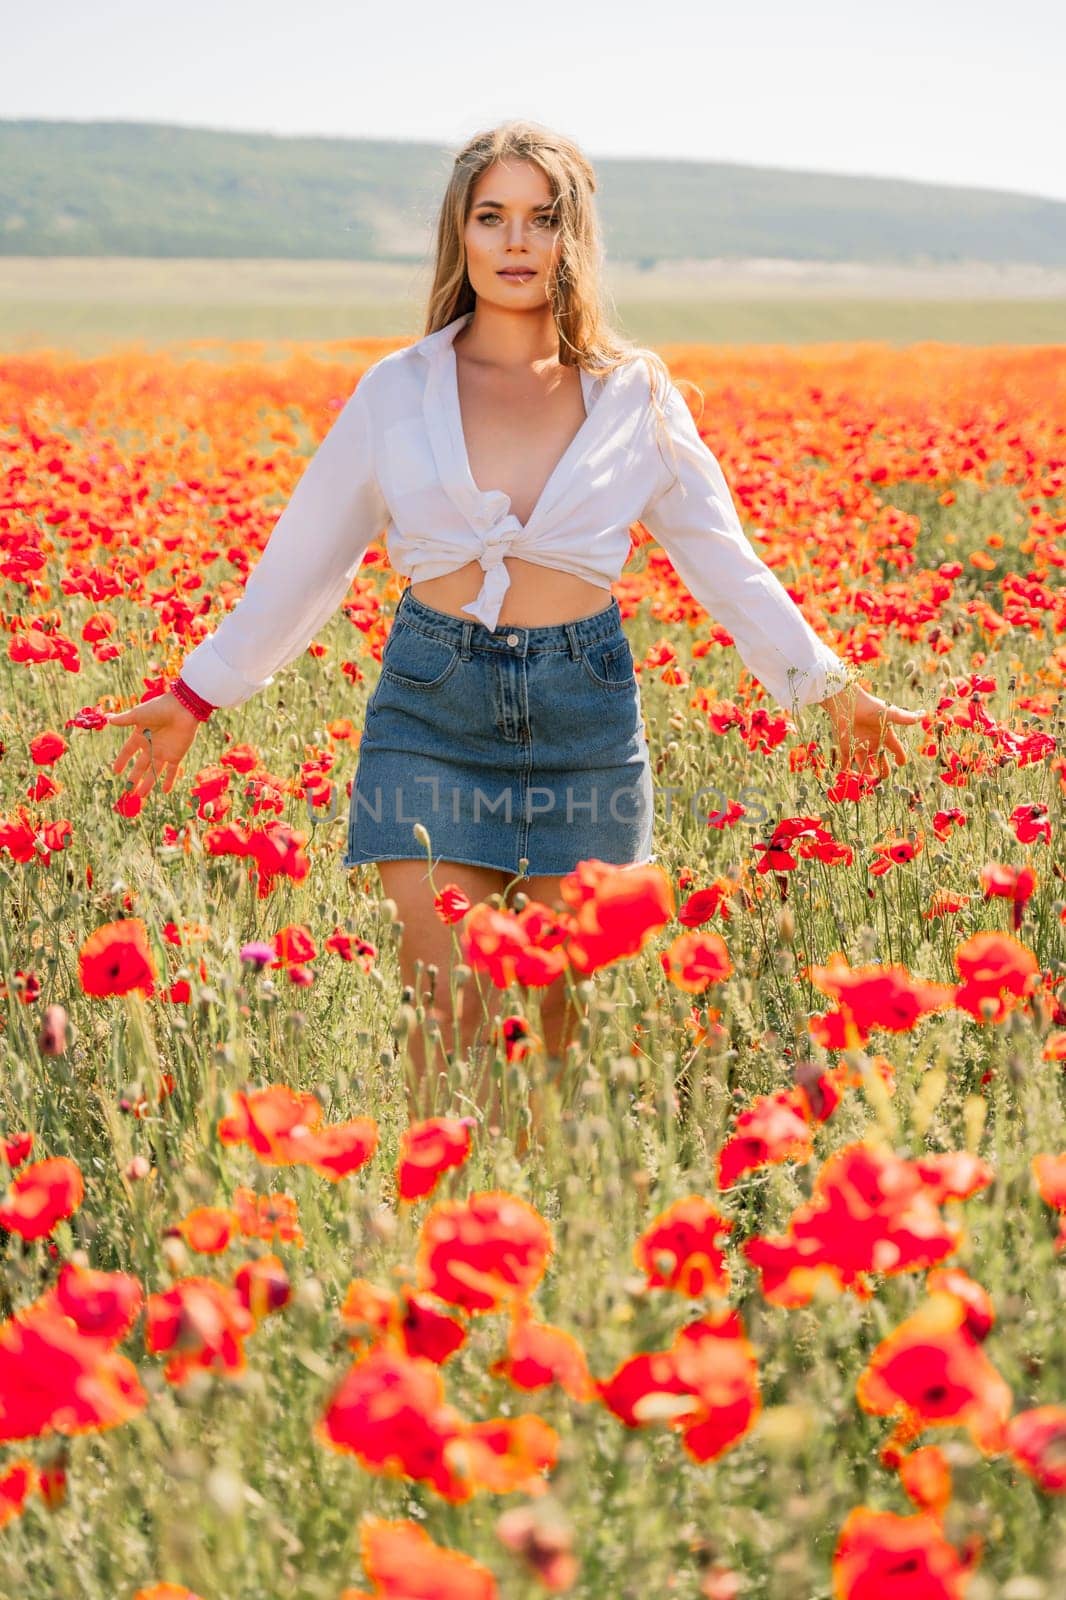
[575,647]
[464,647]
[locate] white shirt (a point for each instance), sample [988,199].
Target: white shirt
[396,459]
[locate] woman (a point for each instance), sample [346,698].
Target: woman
[509,452]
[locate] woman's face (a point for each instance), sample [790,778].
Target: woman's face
[510,225]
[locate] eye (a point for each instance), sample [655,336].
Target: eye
[550,219]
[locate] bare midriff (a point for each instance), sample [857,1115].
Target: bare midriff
[539,597]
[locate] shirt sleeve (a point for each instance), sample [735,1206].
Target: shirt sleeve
[695,521]
[306,569]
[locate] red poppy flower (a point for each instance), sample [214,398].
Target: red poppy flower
[46,748]
[102,1305]
[368,1305]
[879,997]
[53,1377]
[412,1322]
[505,1454]
[715,1358]
[428,1149]
[979,1313]
[40,1196]
[207,1229]
[166,1591]
[517,1037]
[350,948]
[945,903]
[679,1250]
[484,1252]
[267,1216]
[695,960]
[1031,822]
[52,1479]
[705,1386]
[870,1212]
[926,1480]
[426,1328]
[1050,1174]
[894,853]
[116,959]
[262,1286]
[539,1354]
[616,911]
[931,1372]
[389,1411]
[293,946]
[647,1388]
[500,944]
[954,1175]
[18,1480]
[773,1128]
[849,784]
[1016,884]
[1037,1441]
[880,1556]
[340,1149]
[944,821]
[701,906]
[775,856]
[491,942]
[403,1563]
[451,904]
[996,970]
[16,1148]
[203,1322]
[276,1122]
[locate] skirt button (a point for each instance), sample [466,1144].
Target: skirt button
[512,638]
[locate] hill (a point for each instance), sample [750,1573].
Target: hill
[156,190]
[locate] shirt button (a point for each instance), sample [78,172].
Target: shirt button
[512,638]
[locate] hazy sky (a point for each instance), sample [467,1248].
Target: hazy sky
[949,91]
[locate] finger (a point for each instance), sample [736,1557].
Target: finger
[142,765]
[144,785]
[130,748]
[899,714]
[892,743]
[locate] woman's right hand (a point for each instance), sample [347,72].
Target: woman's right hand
[170,730]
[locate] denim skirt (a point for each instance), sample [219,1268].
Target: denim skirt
[508,745]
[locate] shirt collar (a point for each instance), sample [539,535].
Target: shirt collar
[434,345]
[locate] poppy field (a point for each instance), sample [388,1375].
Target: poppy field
[766,1300]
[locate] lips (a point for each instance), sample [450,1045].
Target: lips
[525,272]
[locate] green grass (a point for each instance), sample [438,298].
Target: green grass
[88,328]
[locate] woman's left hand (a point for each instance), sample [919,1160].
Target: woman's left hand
[863,732]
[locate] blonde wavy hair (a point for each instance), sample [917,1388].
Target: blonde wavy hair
[576,292]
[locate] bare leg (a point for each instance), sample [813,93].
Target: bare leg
[427,942]
[559,1018]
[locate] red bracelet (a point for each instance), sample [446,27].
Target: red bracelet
[200,708]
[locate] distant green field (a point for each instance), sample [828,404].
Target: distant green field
[90,328]
[91,305]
